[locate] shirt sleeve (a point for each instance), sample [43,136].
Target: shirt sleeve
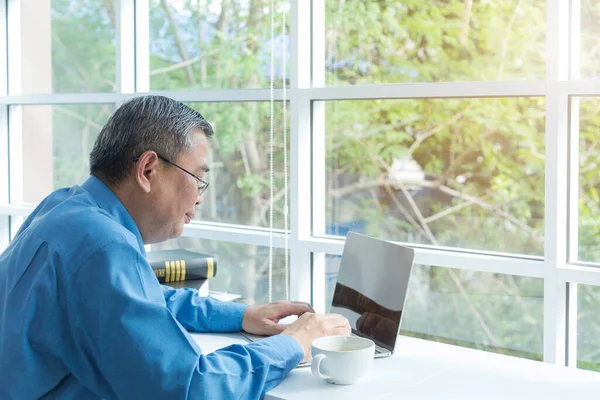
[203,314]
[128,344]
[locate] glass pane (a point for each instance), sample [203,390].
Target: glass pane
[589,180]
[588,327]
[590,29]
[4,232]
[241,269]
[220,44]
[239,191]
[452,172]
[68,46]
[431,41]
[57,141]
[492,312]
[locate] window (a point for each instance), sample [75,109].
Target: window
[588,327]
[466,129]
[4,233]
[463,173]
[434,41]
[67,46]
[55,145]
[225,44]
[589,28]
[492,312]
[239,168]
[241,268]
[589,179]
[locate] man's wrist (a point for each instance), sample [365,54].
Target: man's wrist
[305,351]
[244,316]
[288,348]
[230,316]
[242,310]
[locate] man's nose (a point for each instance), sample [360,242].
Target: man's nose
[200,199]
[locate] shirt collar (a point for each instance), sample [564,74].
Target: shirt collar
[109,202]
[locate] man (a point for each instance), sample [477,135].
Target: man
[82,315]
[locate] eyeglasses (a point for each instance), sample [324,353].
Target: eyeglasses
[203,185]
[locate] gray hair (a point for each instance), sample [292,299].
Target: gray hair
[144,123]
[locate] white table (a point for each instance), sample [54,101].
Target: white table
[422,369]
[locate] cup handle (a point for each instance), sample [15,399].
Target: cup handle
[315,366]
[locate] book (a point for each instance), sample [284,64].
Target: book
[181,265]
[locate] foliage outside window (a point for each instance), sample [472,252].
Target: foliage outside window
[462,173]
[589,180]
[492,312]
[590,29]
[83,45]
[239,172]
[70,131]
[588,327]
[215,44]
[242,268]
[434,41]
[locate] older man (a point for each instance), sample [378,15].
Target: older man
[82,315]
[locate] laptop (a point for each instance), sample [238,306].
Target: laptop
[371,289]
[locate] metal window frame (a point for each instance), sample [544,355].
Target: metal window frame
[307,94]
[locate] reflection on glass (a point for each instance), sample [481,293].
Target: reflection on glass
[57,141]
[451,172]
[242,269]
[589,180]
[223,44]
[239,191]
[371,287]
[432,41]
[590,29]
[588,327]
[68,46]
[492,312]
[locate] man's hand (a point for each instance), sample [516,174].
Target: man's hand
[264,319]
[312,326]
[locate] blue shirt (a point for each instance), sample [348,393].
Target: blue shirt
[82,315]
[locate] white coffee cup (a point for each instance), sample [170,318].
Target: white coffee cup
[341,359]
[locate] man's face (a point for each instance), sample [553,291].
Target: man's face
[175,198]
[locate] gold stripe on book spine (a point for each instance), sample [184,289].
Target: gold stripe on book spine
[210,267]
[183,270]
[178,268]
[168,278]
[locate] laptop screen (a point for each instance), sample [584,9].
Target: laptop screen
[371,287]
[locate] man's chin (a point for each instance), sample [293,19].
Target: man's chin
[178,231]
[174,233]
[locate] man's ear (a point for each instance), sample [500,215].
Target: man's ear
[145,170]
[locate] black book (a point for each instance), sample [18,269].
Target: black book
[181,265]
